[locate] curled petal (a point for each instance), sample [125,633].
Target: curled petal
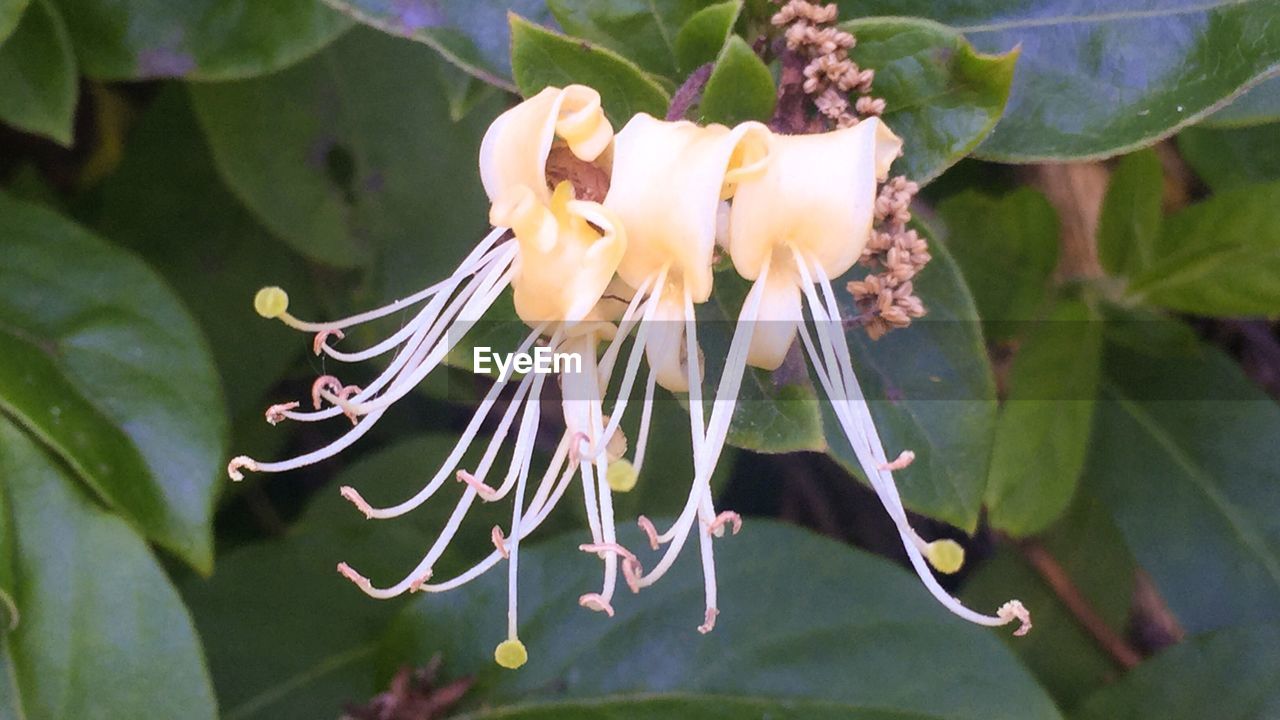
[818,193]
[667,184]
[516,146]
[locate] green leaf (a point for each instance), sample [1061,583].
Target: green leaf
[704,34]
[127,395]
[10,13]
[10,614]
[942,96]
[1227,159]
[542,58]
[196,39]
[644,32]
[1129,226]
[1065,658]
[1260,104]
[1226,675]
[1042,434]
[166,188]
[802,619]
[1007,247]
[470,34]
[704,707]
[364,186]
[740,87]
[287,637]
[1183,456]
[1218,257]
[38,75]
[103,632]
[1100,79]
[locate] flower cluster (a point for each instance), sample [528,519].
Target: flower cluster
[605,237]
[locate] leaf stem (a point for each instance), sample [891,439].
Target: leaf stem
[1052,572]
[689,93]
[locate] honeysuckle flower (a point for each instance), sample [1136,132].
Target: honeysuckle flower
[560,258]
[668,183]
[792,228]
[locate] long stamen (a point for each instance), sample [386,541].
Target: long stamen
[478,255]
[522,457]
[455,456]
[855,419]
[633,360]
[429,326]
[425,315]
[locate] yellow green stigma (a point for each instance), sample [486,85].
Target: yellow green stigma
[510,654]
[621,476]
[271,302]
[946,556]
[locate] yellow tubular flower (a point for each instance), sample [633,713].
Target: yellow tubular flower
[562,259]
[668,184]
[793,228]
[818,196]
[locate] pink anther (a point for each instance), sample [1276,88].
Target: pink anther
[710,621]
[349,573]
[596,601]
[485,492]
[905,458]
[1015,610]
[575,442]
[237,463]
[647,526]
[322,383]
[355,498]
[631,572]
[343,395]
[275,413]
[500,542]
[321,337]
[602,548]
[725,518]
[416,585]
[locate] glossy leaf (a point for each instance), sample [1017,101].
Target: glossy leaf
[38,80]
[1183,455]
[740,87]
[103,632]
[470,34]
[1101,77]
[165,188]
[1065,658]
[1042,434]
[1007,247]
[1218,257]
[104,365]
[10,615]
[196,39]
[802,619]
[1228,675]
[1227,159]
[703,35]
[364,185]
[943,97]
[1129,225]
[287,637]
[1259,105]
[644,32]
[10,12]
[542,58]
[660,707]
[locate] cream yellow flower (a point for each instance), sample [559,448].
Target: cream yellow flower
[668,185]
[560,262]
[793,228]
